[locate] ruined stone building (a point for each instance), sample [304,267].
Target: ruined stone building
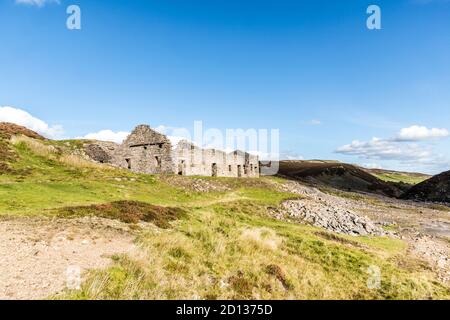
[144,151]
[148,151]
[191,160]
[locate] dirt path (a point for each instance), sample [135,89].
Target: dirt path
[41,257]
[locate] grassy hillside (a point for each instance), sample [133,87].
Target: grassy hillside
[435,189]
[220,244]
[396,176]
[338,175]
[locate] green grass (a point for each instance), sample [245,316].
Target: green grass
[411,179]
[51,184]
[224,245]
[224,251]
[231,251]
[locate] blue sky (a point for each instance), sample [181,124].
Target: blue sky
[309,68]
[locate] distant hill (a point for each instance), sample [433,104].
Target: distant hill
[435,189]
[411,178]
[338,175]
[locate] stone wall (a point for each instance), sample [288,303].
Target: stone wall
[101,151]
[144,151]
[147,151]
[191,160]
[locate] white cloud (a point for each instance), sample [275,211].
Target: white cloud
[164,129]
[38,3]
[120,136]
[107,135]
[175,140]
[372,166]
[408,147]
[315,122]
[23,118]
[417,133]
[290,155]
[385,150]
[406,154]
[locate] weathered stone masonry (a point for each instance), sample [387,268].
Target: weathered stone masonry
[191,160]
[148,151]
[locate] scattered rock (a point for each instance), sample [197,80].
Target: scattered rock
[325,211]
[434,251]
[195,184]
[330,218]
[97,153]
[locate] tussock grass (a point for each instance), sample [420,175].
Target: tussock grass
[226,245]
[35,146]
[40,148]
[6,154]
[221,252]
[261,237]
[79,162]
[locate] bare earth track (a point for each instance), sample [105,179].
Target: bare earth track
[35,253]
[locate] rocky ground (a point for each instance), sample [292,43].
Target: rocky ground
[435,251]
[425,227]
[325,211]
[41,257]
[194,184]
[331,218]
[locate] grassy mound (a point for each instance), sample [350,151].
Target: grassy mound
[126,211]
[7,130]
[7,154]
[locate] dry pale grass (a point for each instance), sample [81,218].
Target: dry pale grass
[261,237]
[201,264]
[149,275]
[198,261]
[48,151]
[79,162]
[230,250]
[36,146]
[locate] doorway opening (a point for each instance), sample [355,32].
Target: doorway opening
[158,162]
[181,166]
